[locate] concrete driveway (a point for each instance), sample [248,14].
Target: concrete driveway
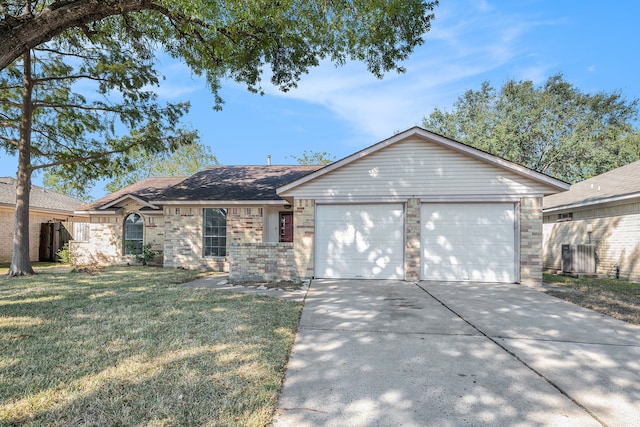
[379,353]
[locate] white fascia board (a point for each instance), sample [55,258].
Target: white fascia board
[129,196]
[43,211]
[590,203]
[438,139]
[95,212]
[38,210]
[355,200]
[428,198]
[221,202]
[475,198]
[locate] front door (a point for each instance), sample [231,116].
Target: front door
[286,226]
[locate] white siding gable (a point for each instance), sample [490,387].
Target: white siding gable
[417,167]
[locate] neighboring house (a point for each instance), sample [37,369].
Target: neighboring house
[50,217]
[603,211]
[416,206]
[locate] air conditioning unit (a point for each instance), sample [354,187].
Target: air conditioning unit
[579,259]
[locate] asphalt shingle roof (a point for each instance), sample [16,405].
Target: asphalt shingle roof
[39,198]
[215,183]
[147,189]
[623,181]
[218,183]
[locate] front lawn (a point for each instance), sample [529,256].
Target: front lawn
[130,346]
[616,298]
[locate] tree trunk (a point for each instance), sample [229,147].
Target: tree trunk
[20,260]
[29,31]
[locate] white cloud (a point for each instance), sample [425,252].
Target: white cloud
[464,45]
[178,80]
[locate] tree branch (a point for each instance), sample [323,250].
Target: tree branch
[85,158]
[77,106]
[63,53]
[75,77]
[9,141]
[20,34]
[9,125]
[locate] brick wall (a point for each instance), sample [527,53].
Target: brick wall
[412,249]
[531,240]
[7,223]
[184,236]
[262,261]
[615,234]
[303,236]
[104,246]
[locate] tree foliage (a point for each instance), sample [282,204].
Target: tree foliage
[553,128]
[236,39]
[86,94]
[314,158]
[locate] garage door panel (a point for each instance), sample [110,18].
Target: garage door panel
[359,241]
[468,241]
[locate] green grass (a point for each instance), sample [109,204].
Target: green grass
[130,346]
[616,298]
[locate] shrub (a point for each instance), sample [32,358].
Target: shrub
[65,254]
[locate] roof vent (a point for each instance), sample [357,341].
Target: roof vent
[268,159]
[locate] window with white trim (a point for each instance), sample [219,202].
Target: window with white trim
[215,232]
[133,234]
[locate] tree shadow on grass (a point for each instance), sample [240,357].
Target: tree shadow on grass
[123,355]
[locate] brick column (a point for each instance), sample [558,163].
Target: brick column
[304,216]
[412,248]
[531,240]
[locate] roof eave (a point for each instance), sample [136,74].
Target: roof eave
[39,209]
[589,203]
[99,212]
[219,202]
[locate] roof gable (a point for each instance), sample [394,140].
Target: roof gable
[140,192]
[127,199]
[616,185]
[417,160]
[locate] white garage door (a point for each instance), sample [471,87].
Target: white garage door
[468,241]
[359,241]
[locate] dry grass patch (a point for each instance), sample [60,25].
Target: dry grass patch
[615,298]
[130,346]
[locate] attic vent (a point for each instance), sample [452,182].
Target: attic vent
[579,259]
[565,217]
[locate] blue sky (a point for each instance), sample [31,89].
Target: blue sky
[342,110]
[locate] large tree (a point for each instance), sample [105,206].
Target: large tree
[48,123]
[232,39]
[553,128]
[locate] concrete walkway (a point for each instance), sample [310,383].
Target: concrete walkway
[382,353]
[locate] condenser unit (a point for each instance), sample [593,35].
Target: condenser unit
[579,259]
